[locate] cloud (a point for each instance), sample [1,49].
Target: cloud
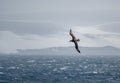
[89,36]
[10,42]
[73,12]
[110,27]
[31,27]
[113,41]
[80,17]
[89,30]
[82,13]
[94,36]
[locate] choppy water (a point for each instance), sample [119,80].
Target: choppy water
[59,69]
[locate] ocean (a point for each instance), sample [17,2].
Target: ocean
[59,69]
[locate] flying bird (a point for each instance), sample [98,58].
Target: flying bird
[74,40]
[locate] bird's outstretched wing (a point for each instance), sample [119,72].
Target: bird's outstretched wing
[72,34]
[74,40]
[76,46]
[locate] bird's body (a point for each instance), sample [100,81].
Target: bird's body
[74,40]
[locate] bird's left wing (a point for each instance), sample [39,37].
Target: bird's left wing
[72,34]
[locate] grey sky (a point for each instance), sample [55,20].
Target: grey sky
[46,21]
[76,12]
[112,27]
[31,28]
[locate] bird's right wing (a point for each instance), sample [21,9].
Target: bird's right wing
[76,46]
[72,34]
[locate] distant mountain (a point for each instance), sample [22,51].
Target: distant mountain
[102,51]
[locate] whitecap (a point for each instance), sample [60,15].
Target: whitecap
[1,67]
[68,63]
[64,68]
[85,67]
[94,72]
[50,66]
[55,69]
[46,64]
[1,73]
[17,67]
[65,77]
[52,61]
[12,67]
[43,64]
[91,72]
[31,61]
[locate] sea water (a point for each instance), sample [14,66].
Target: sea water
[59,69]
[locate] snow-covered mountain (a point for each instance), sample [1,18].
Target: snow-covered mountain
[107,50]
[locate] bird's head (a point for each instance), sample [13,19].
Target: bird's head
[78,39]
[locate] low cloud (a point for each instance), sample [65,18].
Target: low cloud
[10,42]
[43,28]
[90,36]
[95,36]
[110,27]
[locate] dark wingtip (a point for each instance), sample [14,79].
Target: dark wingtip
[78,51]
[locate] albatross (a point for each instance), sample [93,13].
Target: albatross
[74,40]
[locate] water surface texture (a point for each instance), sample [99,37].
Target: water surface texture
[59,69]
